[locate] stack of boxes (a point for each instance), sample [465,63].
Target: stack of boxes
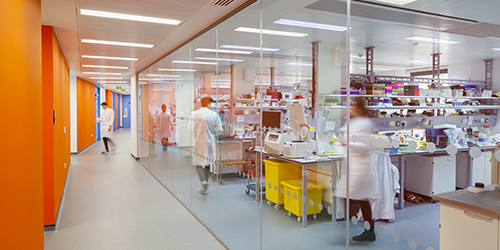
[398,89]
[411,90]
[375,89]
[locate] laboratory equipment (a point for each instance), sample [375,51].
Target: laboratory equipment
[275,141]
[296,115]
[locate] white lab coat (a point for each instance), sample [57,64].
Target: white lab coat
[388,186]
[165,122]
[362,175]
[107,119]
[205,125]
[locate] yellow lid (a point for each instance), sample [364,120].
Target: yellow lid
[297,185]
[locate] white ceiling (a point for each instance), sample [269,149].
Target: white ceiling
[372,25]
[71,28]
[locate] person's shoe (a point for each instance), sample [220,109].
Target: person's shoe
[367,235]
[105,152]
[204,188]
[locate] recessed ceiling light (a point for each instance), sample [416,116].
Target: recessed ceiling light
[128,17]
[311,25]
[224,51]
[431,40]
[159,75]
[112,81]
[104,67]
[102,73]
[358,57]
[180,70]
[107,78]
[140,45]
[220,59]
[143,82]
[111,58]
[247,47]
[398,2]
[417,61]
[498,49]
[301,64]
[193,62]
[374,68]
[271,32]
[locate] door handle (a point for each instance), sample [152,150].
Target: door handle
[478,216]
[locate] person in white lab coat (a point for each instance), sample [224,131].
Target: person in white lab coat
[362,174]
[107,119]
[206,125]
[165,124]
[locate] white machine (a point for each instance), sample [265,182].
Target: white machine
[303,148]
[274,142]
[299,149]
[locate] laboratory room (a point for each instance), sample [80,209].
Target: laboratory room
[281,128]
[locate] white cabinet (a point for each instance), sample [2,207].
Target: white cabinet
[428,175]
[467,229]
[481,169]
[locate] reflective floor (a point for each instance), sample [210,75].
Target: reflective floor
[112,202]
[238,214]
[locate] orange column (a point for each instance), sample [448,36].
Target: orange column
[21,171]
[85,98]
[116,111]
[48,127]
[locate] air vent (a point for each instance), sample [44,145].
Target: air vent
[222,3]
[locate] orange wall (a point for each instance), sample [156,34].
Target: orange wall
[116,110]
[48,127]
[86,113]
[56,137]
[21,171]
[62,147]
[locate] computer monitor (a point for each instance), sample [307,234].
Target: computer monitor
[296,115]
[271,119]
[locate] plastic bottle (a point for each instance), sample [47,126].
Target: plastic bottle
[362,91]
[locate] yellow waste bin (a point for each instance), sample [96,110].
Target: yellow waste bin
[277,171]
[293,197]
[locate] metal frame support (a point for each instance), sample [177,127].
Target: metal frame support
[369,62]
[273,87]
[436,61]
[315,54]
[488,73]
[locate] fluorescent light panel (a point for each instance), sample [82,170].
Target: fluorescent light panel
[163,75]
[193,62]
[224,51]
[106,78]
[312,25]
[375,68]
[397,2]
[180,70]
[417,61]
[111,58]
[102,73]
[112,81]
[220,59]
[271,32]
[128,17]
[300,64]
[140,45]
[431,40]
[498,49]
[248,48]
[104,67]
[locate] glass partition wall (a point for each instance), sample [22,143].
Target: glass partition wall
[301,137]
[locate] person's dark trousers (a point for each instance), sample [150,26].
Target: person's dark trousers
[105,140]
[203,173]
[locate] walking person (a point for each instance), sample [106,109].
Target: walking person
[166,126]
[107,119]
[362,175]
[206,125]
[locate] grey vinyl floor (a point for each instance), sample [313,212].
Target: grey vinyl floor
[241,223]
[113,202]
